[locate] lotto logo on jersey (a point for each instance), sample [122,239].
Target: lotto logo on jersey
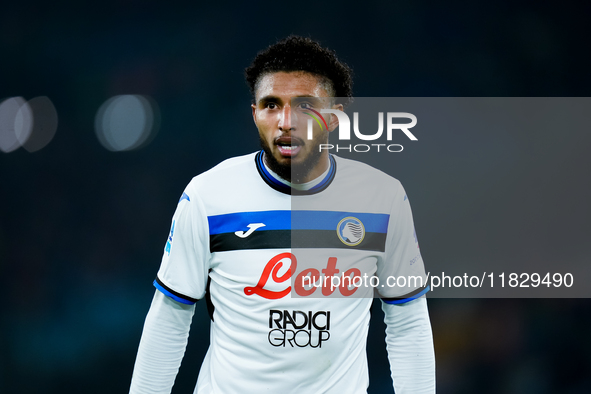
[298,328]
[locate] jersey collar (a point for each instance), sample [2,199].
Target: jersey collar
[286,189]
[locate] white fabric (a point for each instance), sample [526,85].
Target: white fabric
[409,343]
[162,347]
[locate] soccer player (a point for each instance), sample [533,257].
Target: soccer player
[243,230]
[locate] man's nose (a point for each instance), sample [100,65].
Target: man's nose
[285,119]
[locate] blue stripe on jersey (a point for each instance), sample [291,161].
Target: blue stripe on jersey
[173,296]
[185,196]
[294,220]
[328,220]
[404,300]
[231,222]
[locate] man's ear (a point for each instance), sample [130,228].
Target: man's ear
[334,121]
[254,113]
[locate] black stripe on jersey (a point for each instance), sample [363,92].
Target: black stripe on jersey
[208,302]
[272,239]
[287,239]
[171,291]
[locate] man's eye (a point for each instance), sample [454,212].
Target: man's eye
[271,105]
[305,105]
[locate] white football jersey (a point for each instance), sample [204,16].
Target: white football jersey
[245,241]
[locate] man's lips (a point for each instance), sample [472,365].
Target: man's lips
[288,146]
[289,151]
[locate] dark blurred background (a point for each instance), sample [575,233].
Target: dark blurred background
[82,228]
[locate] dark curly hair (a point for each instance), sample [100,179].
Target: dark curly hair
[296,53]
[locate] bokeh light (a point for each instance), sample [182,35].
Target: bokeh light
[23,123]
[43,123]
[126,122]
[8,113]
[31,124]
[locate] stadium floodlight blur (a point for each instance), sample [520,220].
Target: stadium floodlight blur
[31,124]
[126,122]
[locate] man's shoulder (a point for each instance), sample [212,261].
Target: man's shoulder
[228,176]
[236,163]
[232,168]
[363,172]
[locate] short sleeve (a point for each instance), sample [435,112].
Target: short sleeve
[401,270]
[185,263]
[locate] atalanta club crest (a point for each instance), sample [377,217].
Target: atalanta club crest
[351,231]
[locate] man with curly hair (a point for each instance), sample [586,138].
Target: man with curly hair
[239,253]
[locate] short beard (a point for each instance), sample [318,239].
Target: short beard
[291,173]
